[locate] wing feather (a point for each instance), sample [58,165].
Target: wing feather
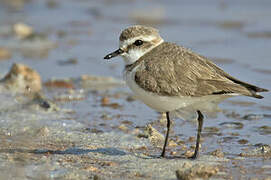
[172,70]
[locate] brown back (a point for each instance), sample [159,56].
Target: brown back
[172,70]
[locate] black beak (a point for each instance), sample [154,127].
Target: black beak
[114,54]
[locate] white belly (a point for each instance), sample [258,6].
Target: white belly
[171,103]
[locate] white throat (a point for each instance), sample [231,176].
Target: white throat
[135,54]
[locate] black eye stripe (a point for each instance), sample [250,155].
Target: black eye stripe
[138,42]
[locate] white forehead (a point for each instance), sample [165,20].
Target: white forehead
[130,41]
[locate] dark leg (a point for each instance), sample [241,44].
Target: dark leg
[200,121]
[168,128]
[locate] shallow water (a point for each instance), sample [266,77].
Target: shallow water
[236,34]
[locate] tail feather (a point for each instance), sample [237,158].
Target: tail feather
[253,89]
[257,96]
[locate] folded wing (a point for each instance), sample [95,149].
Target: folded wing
[177,71]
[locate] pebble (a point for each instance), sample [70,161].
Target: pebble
[253,116]
[193,146]
[45,104]
[4,53]
[106,117]
[91,168]
[139,175]
[23,79]
[211,129]
[39,99]
[217,153]
[196,171]
[127,122]
[173,153]
[71,61]
[96,177]
[96,131]
[261,150]
[242,141]
[44,131]
[183,147]
[191,139]
[172,143]
[109,163]
[130,98]
[105,102]
[113,105]
[189,153]
[229,138]
[187,165]
[59,84]
[22,30]
[265,130]
[233,115]
[232,125]
[123,127]
[154,136]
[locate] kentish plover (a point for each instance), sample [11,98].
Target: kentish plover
[168,77]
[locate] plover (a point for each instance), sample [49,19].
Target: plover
[168,77]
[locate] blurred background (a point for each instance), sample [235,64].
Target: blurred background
[68,39]
[236,34]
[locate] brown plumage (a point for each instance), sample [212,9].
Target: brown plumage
[172,70]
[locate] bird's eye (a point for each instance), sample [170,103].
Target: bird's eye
[138,42]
